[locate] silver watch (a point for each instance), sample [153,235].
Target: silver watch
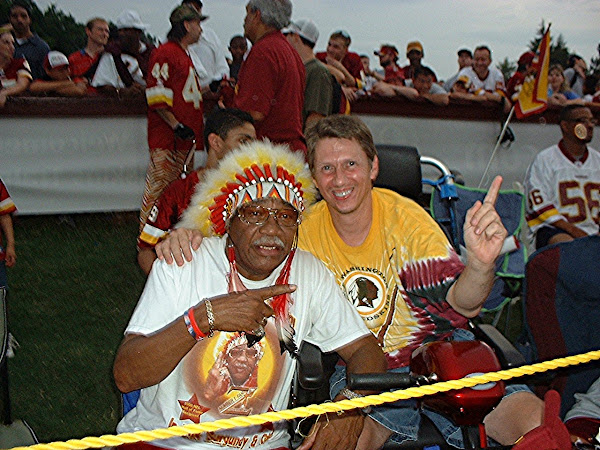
[351,395]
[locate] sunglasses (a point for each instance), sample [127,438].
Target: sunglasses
[259,215]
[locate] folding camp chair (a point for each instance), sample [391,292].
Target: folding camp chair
[510,268]
[562,310]
[13,432]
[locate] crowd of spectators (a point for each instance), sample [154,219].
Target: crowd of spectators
[117,66]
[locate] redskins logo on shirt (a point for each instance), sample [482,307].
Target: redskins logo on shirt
[365,289]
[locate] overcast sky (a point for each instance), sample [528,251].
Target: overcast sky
[443,26]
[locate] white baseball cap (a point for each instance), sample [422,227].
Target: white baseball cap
[55,59]
[305,28]
[130,19]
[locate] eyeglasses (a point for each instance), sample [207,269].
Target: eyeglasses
[238,352]
[585,120]
[259,215]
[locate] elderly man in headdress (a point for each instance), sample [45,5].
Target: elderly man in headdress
[196,326]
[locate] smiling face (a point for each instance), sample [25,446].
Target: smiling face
[344,175]
[99,32]
[481,61]
[336,48]
[259,249]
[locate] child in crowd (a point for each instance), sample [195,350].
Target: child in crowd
[8,256]
[57,80]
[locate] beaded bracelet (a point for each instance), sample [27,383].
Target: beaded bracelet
[211,318]
[192,326]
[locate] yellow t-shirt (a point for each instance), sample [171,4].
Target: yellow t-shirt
[397,278]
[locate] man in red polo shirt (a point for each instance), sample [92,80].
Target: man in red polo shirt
[271,81]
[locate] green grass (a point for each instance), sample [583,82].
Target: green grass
[72,291]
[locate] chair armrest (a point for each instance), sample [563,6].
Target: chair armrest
[506,352]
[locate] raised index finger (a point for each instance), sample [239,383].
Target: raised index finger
[492,194]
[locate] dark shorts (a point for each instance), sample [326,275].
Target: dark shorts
[544,234]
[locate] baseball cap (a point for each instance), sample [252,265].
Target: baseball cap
[465,50]
[185,12]
[414,45]
[526,58]
[130,19]
[55,59]
[304,28]
[386,48]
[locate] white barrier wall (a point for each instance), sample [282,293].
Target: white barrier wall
[67,165]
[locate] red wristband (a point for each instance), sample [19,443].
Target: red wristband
[195,326]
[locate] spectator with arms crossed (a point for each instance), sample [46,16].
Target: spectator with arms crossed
[58,78]
[224,130]
[485,80]
[563,183]
[361,232]
[216,338]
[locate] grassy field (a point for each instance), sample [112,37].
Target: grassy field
[72,291]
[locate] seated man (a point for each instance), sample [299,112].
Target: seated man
[216,338]
[224,130]
[563,181]
[58,78]
[423,293]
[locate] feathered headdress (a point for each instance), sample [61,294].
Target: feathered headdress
[255,170]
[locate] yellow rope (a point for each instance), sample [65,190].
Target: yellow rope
[370,400]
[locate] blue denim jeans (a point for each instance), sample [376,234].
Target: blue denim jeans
[403,417]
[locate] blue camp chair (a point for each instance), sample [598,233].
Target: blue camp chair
[13,432]
[400,171]
[510,268]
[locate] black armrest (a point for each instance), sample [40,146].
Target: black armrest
[506,352]
[311,373]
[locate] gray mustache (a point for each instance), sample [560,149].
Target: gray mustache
[269,241]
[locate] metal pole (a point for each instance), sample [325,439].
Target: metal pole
[510,114]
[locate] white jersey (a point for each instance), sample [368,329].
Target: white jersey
[209,57]
[222,377]
[560,187]
[107,75]
[492,83]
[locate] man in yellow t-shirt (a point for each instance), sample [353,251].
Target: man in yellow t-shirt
[399,270]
